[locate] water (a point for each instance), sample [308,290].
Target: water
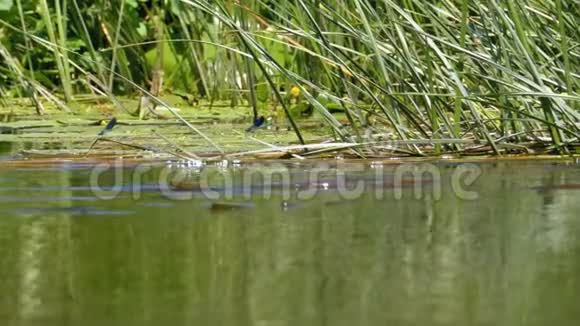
[147,256]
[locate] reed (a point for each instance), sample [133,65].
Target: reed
[490,71]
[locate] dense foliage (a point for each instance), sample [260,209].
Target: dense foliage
[496,71]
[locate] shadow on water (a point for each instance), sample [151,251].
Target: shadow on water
[138,256]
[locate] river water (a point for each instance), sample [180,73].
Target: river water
[493,243]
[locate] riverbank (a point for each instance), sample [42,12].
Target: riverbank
[217,131]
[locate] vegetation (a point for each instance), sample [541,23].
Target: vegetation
[500,74]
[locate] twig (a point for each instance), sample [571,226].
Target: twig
[271,146]
[192,155]
[145,148]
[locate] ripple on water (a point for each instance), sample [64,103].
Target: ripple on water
[71,211]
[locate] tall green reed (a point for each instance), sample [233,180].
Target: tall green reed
[489,70]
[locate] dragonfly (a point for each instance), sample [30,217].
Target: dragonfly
[258,123]
[108,127]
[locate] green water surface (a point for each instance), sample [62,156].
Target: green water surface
[148,257]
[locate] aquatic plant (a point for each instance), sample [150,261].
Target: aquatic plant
[495,73]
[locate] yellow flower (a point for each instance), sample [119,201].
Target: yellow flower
[294,91]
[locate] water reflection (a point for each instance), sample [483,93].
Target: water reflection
[512,257]
[5,150]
